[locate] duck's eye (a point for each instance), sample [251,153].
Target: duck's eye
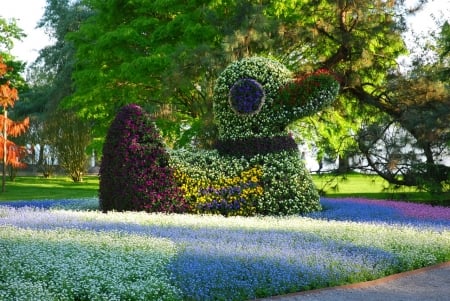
[246,96]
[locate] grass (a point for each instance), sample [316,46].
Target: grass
[369,186]
[351,185]
[38,188]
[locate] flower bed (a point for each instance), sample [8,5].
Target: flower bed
[75,254]
[383,211]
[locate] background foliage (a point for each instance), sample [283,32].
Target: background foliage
[166,57]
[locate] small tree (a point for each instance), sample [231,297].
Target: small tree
[9,152]
[69,136]
[134,171]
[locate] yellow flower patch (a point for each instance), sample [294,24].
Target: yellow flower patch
[228,196]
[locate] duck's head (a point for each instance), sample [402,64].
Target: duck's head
[256,98]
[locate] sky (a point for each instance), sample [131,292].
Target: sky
[28,13]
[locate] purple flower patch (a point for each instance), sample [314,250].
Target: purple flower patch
[391,212]
[248,258]
[246,96]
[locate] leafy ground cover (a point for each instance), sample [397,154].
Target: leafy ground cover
[56,253]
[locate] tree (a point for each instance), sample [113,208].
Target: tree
[69,136]
[10,152]
[50,81]
[165,57]
[168,56]
[415,132]
[405,148]
[358,40]
[444,51]
[361,41]
[53,68]
[9,31]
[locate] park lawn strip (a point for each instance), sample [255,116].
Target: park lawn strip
[60,187]
[351,185]
[234,258]
[369,186]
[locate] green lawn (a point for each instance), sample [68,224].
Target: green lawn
[30,188]
[351,185]
[368,186]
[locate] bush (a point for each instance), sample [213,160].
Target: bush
[270,184]
[215,184]
[255,99]
[135,172]
[288,186]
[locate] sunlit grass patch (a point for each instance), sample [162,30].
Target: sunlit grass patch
[369,186]
[37,188]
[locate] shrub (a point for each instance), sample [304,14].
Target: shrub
[255,99]
[135,172]
[270,184]
[215,184]
[240,117]
[288,186]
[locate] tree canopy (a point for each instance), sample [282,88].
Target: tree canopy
[166,56]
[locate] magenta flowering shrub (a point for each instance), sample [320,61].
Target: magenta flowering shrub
[135,172]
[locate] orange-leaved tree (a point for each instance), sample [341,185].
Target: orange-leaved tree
[9,151]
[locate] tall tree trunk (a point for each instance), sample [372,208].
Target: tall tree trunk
[343,164]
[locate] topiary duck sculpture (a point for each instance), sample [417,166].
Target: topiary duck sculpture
[256,166]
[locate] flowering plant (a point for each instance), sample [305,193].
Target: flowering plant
[308,94]
[246,96]
[255,99]
[270,184]
[135,172]
[259,73]
[238,93]
[249,147]
[227,196]
[214,184]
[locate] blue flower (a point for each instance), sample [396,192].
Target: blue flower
[246,96]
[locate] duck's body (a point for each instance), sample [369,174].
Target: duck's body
[255,99]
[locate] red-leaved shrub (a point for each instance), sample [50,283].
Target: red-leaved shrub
[134,172]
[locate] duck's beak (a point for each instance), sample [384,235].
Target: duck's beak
[306,95]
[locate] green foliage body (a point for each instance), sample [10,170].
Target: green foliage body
[170,53]
[166,57]
[283,186]
[145,50]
